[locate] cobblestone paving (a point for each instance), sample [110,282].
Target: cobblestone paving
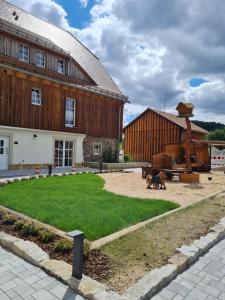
[20,280]
[204,280]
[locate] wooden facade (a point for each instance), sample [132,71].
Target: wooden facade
[96,115]
[148,134]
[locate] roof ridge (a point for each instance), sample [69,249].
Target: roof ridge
[168,117]
[177,117]
[40,18]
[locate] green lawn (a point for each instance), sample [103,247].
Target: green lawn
[79,202]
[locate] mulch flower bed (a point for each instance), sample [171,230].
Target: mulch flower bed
[96,265]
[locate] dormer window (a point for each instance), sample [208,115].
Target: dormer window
[40,59]
[24,52]
[61,66]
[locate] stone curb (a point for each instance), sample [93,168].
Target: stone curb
[38,223]
[155,280]
[8,180]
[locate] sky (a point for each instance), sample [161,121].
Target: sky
[159,52]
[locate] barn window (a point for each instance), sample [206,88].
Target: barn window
[61,66]
[36,96]
[24,52]
[97,148]
[40,59]
[70,113]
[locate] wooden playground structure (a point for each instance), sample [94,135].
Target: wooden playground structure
[184,159]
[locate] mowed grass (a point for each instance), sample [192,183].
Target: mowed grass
[79,202]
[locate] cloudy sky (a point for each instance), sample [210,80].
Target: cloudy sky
[159,52]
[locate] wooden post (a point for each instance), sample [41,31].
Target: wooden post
[188,147]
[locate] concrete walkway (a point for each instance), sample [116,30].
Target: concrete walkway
[30,172]
[20,280]
[204,280]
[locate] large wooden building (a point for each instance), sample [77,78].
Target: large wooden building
[58,104]
[154,131]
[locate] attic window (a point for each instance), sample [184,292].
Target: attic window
[40,59]
[24,52]
[61,66]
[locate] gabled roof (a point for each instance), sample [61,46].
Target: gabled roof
[64,40]
[174,119]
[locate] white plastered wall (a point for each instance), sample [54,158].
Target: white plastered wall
[30,146]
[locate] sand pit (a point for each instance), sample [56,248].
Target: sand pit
[131,184]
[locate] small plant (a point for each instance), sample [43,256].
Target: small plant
[127,158]
[29,229]
[46,236]
[8,220]
[19,224]
[63,246]
[86,248]
[1,214]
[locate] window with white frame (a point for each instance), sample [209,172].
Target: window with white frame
[36,96]
[97,148]
[70,113]
[61,66]
[40,59]
[23,52]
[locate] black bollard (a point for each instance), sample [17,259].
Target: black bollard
[50,170]
[78,248]
[100,166]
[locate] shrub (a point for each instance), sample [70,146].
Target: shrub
[19,224]
[110,155]
[8,220]
[29,229]
[127,158]
[46,236]
[63,246]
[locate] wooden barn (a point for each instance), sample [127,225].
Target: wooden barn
[154,132]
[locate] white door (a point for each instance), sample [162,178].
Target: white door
[4,153]
[64,153]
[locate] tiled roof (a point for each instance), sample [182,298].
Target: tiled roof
[176,120]
[63,39]
[179,121]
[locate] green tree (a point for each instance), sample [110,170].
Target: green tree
[216,135]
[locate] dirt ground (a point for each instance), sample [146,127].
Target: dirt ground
[135,254]
[132,184]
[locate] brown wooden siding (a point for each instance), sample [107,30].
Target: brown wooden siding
[96,115]
[148,135]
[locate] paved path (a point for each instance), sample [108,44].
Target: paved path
[20,280]
[204,280]
[30,172]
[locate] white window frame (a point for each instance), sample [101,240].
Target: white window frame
[36,96]
[40,59]
[61,66]
[99,152]
[68,109]
[23,52]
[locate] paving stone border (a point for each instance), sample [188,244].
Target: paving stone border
[155,280]
[145,288]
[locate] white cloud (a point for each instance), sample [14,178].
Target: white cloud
[84,3]
[152,48]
